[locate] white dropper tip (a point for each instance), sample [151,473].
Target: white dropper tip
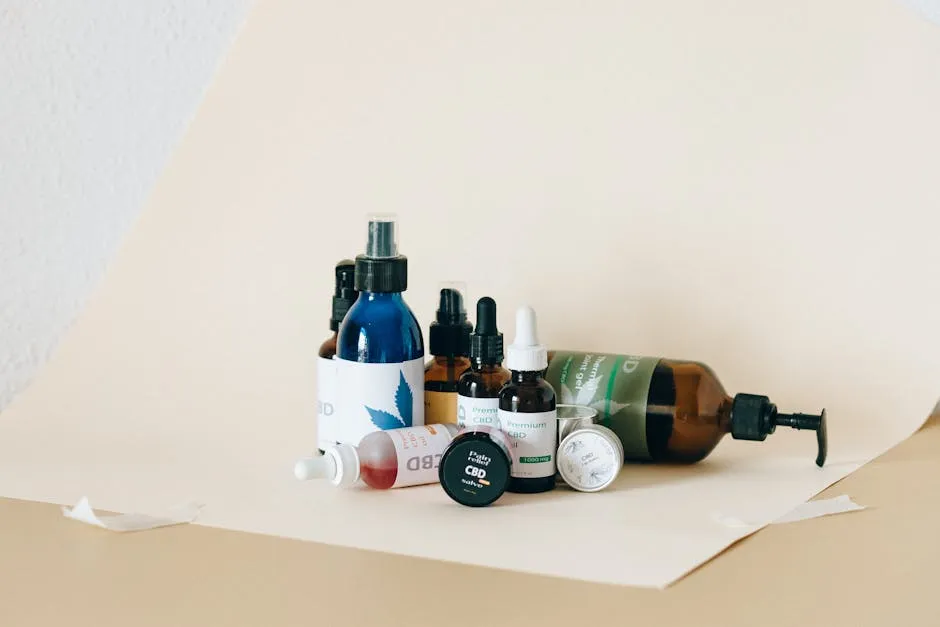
[319,467]
[525,354]
[526,331]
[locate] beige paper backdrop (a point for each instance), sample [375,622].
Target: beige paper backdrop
[749,184]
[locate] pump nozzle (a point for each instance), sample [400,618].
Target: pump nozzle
[450,309]
[809,421]
[344,292]
[754,417]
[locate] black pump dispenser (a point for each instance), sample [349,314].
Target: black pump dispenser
[754,417]
[344,293]
[486,342]
[450,332]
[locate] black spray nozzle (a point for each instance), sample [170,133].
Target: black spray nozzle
[382,269]
[382,242]
[450,310]
[344,292]
[486,343]
[754,417]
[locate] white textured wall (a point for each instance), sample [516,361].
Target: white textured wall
[93,97]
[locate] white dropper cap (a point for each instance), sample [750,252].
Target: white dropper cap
[339,465]
[525,354]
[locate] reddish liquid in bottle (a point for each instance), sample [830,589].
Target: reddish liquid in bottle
[380,477]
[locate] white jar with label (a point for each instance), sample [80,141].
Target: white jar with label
[590,458]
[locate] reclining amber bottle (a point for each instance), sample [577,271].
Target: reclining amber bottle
[667,410]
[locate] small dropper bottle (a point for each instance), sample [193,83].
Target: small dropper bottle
[527,410]
[344,295]
[478,388]
[449,345]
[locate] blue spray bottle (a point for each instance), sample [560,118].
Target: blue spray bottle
[380,367]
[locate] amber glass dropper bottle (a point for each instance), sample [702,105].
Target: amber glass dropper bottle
[667,410]
[478,388]
[449,345]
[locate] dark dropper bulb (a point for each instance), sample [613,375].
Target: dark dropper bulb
[486,343]
[754,417]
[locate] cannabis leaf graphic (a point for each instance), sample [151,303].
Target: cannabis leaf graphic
[384,420]
[403,402]
[588,396]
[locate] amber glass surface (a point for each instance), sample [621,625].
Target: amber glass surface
[528,392]
[442,373]
[687,411]
[328,347]
[483,381]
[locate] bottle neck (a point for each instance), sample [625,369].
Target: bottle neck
[724,414]
[382,296]
[526,376]
[448,360]
[485,368]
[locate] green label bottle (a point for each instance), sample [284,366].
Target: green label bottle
[666,410]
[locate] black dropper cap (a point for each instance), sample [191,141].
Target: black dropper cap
[754,417]
[486,343]
[450,332]
[344,293]
[381,269]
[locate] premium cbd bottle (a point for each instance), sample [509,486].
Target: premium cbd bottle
[527,410]
[479,387]
[666,410]
[449,344]
[381,350]
[344,295]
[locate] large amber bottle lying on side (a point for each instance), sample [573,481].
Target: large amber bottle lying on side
[666,410]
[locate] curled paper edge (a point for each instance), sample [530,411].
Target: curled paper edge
[177,515]
[804,511]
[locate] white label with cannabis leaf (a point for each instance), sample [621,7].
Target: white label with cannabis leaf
[375,397]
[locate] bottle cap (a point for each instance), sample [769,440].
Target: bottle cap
[486,343]
[475,467]
[754,417]
[381,268]
[339,465]
[449,335]
[525,354]
[590,458]
[344,292]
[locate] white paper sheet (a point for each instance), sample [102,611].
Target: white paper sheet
[177,515]
[653,179]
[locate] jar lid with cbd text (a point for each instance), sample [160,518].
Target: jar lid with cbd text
[475,467]
[590,458]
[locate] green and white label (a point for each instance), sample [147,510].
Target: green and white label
[475,412]
[615,385]
[533,439]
